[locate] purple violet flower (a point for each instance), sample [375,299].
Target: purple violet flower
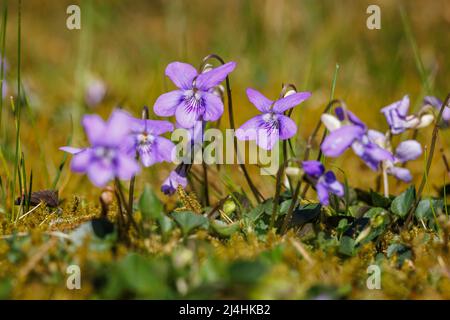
[105,159]
[313,168]
[398,119]
[95,92]
[193,100]
[346,131]
[272,125]
[177,177]
[326,181]
[5,63]
[145,139]
[437,103]
[405,151]
[4,89]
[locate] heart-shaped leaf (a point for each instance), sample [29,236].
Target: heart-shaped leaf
[426,207]
[188,221]
[402,203]
[149,204]
[223,228]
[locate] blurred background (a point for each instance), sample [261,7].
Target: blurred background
[123,48]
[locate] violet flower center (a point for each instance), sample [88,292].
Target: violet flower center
[270,121]
[193,101]
[144,142]
[106,155]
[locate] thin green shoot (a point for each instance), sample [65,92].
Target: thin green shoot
[333,88]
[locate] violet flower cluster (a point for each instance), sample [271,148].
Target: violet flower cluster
[117,144]
[399,120]
[114,145]
[373,147]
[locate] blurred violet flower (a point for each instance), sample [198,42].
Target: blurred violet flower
[347,130]
[326,181]
[5,69]
[4,89]
[437,103]
[95,92]
[5,63]
[398,119]
[105,159]
[145,140]
[193,100]
[272,125]
[177,177]
[193,148]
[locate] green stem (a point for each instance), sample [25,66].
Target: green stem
[18,109]
[205,183]
[2,67]
[127,206]
[277,194]
[258,196]
[311,138]
[429,160]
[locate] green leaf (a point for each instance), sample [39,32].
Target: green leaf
[426,206]
[268,206]
[378,217]
[256,212]
[144,277]
[379,200]
[188,221]
[402,252]
[347,246]
[223,228]
[149,204]
[402,203]
[343,225]
[247,272]
[5,288]
[284,206]
[165,224]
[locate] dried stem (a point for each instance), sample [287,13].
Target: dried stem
[444,158]
[205,183]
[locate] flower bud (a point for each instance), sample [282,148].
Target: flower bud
[229,206]
[330,122]
[289,92]
[425,120]
[107,195]
[293,171]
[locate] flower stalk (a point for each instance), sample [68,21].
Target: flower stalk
[429,160]
[258,196]
[309,144]
[281,169]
